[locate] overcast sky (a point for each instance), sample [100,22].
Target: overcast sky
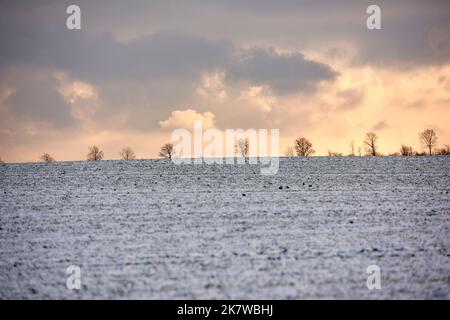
[138,69]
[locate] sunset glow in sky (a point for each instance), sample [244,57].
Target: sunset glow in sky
[138,69]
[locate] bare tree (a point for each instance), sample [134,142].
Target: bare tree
[242,147]
[303,147]
[359,152]
[445,151]
[167,151]
[370,142]
[406,150]
[1,161]
[127,154]
[95,154]
[352,149]
[289,152]
[428,139]
[47,158]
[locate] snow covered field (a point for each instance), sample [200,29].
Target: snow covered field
[152,229]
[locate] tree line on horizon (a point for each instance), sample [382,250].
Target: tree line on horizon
[303,147]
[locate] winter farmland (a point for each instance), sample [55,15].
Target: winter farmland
[152,229]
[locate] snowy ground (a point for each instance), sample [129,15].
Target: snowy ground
[151,229]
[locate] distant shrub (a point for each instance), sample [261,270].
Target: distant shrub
[334,154]
[445,151]
[167,151]
[95,154]
[289,152]
[406,150]
[47,158]
[352,149]
[127,154]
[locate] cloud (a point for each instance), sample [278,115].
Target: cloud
[406,45]
[77,90]
[33,96]
[350,98]
[306,67]
[139,80]
[259,97]
[414,33]
[284,72]
[102,58]
[159,56]
[186,118]
[213,86]
[136,82]
[380,125]
[81,96]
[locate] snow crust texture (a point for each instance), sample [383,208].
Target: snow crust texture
[150,229]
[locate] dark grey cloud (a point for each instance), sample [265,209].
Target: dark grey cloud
[147,57]
[414,31]
[407,43]
[101,57]
[284,73]
[33,98]
[160,55]
[144,78]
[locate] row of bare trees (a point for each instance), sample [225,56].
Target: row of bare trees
[95,154]
[241,147]
[127,153]
[303,147]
